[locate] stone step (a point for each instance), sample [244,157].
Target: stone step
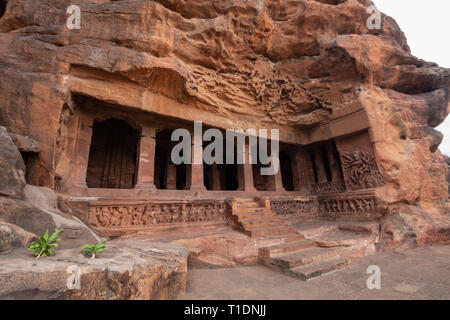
[252,215]
[247,209]
[268,252]
[319,268]
[244,200]
[303,257]
[266,231]
[261,222]
[286,238]
[249,205]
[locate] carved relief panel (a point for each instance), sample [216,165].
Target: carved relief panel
[361,170]
[290,207]
[107,216]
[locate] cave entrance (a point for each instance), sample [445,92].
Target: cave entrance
[112,156]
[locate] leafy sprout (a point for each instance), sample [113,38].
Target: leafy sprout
[43,246]
[92,250]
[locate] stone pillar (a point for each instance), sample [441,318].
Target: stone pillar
[295,171]
[188,176]
[240,177]
[197,182]
[320,166]
[146,171]
[83,146]
[279,180]
[171,177]
[215,176]
[248,171]
[305,171]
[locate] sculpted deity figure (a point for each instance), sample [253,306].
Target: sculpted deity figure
[116,218]
[126,216]
[104,217]
[184,213]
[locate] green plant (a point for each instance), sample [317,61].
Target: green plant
[92,250]
[43,246]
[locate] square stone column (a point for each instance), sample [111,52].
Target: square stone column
[146,171]
[171,176]
[82,149]
[215,174]
[197,182]
[248,170]
[279,179]
[305,171]
[240,177]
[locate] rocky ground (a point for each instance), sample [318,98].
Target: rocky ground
[126,270]
[412,274]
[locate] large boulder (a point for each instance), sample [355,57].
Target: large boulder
[39,212]
[411,226]
[12,167]
[125,270]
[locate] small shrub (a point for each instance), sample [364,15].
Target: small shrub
[43,246]
[92,250]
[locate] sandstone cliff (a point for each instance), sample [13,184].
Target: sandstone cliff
[286,63]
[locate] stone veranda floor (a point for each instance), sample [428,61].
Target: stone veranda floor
[422,273]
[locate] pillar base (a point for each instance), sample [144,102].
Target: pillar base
[146,186]
[198,188]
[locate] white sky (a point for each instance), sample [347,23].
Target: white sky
[426,25]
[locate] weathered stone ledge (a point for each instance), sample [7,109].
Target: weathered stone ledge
[125,270]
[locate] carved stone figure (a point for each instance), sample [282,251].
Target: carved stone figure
[362,170]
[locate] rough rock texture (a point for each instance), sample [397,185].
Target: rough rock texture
[411,226]
[291,63]
[12,236]
[37,216]
[284,62]
[127,270]
[25,144]
[447,161]
[12,167]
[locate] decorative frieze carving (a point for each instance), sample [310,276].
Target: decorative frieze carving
[361,170]
[289,207]
[355,205]
[106,216]
[328,187]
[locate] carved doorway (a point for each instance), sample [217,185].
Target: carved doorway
[113,155]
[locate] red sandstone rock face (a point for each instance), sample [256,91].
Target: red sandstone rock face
[286,63]
[290,63]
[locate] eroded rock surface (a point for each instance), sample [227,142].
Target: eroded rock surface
[286,63]
[126,270]
[12,167]
[294,64]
